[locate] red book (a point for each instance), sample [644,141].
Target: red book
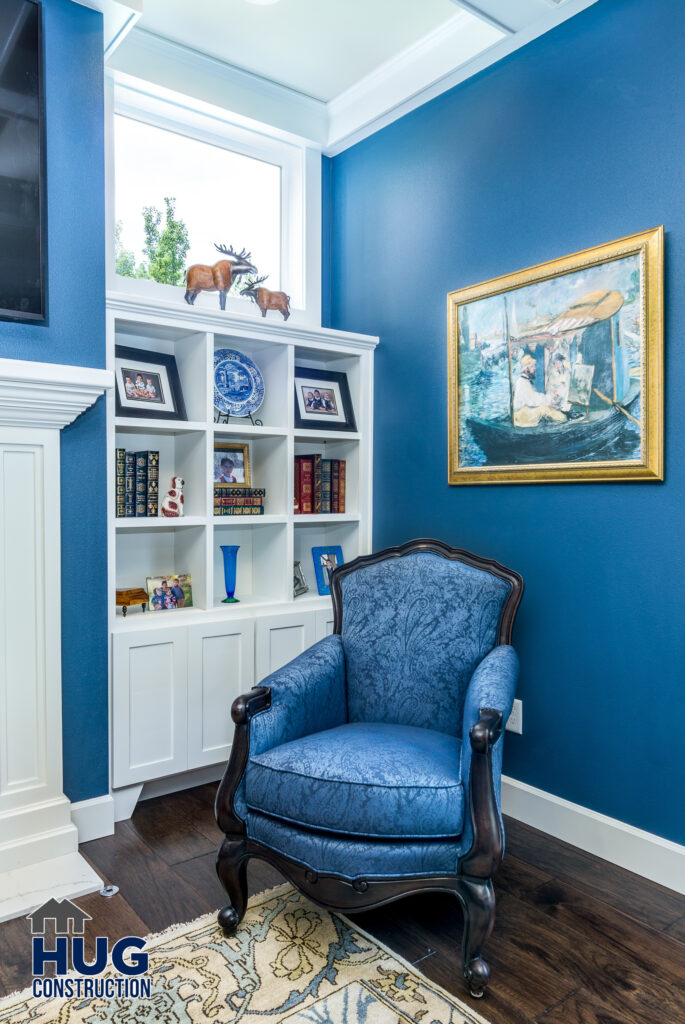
[335,485]
[296,505]
[306,465]
[341,487]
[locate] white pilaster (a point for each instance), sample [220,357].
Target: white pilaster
[38,842]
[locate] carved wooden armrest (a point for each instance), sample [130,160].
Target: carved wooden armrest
[244,708]
[485,855]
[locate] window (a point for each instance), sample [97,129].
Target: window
[219,179]
[219,196]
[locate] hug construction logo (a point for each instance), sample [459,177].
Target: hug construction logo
[82,981]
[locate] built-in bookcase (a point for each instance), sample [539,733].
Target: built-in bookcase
[278,624]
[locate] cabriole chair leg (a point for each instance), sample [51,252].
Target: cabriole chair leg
[478,900]
[231,867]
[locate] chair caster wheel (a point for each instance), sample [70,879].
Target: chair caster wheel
[228,920]
[477,976]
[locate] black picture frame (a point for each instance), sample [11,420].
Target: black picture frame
[323,422]
[39,222]
[166,363]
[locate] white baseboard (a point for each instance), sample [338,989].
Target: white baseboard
[94,818]
[644,853]
[184,780]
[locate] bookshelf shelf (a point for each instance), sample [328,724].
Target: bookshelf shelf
[178,665]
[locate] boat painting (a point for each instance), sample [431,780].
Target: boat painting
[549,376]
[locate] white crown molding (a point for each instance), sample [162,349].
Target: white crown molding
[183,70]
[343,134]
[119,17]
[135,307]
[47,394]
[473,39]
[644,853]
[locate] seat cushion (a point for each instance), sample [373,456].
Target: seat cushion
[365,779]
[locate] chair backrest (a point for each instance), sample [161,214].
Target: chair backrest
[415,622]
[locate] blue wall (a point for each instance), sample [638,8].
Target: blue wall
[574,140]
[75,334]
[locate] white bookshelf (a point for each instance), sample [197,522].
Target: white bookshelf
[182,653]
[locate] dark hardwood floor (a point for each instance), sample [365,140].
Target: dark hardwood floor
[577,941]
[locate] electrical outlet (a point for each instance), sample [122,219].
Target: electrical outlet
[515,720]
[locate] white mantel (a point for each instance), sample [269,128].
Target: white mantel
[38,843]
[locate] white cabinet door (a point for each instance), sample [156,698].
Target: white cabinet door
[324,623]
[149,684]
[280,638]
[220,668]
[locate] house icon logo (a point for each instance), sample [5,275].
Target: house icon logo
[66,915]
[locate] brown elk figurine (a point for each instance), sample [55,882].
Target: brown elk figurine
[266,299]
[220,277]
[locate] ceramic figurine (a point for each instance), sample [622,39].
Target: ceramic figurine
[266,299]
[172,504]
[220,277]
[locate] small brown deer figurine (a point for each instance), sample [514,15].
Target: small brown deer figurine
[265,299]
[220,277]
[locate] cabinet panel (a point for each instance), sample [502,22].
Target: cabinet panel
[280,638]
[220,668]
[324,623]
[149,681]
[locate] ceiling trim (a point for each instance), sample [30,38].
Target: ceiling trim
[460,48]
[341,140]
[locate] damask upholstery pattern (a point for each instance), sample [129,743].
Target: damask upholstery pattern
[351,857]
[365,779]
[413,630]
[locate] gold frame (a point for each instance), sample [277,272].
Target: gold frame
[650,246]
[234,446]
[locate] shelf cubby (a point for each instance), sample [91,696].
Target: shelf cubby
[263,575]
[337,446]
[274,364]
[160,549]
[181,454]
[310,535]
[268,462]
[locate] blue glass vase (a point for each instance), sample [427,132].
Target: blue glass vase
[230,559]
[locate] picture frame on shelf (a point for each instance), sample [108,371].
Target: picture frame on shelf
[170,592]
[326,559]
[231,467]
[300,585]
[147,385]
[322,400]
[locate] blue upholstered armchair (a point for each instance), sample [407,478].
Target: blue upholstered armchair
[369,767]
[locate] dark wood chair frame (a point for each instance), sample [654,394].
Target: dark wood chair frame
[472,885]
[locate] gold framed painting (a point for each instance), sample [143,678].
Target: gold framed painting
[555,373]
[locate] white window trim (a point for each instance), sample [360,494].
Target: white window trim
[300,166]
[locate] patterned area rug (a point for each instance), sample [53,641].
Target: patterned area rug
[289,961]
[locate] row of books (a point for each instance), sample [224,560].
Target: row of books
[137,483]
[239,501]
[319,485]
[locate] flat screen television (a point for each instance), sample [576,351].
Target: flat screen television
[22,175]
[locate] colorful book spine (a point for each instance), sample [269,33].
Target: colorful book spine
[316,483]
[153,483]
[325,485]
[120,482]
[141,483]
[238,510]
[306,467]
[296,489]
[335,485]
[240,492]
[220,502]
[129,484]
[341,486]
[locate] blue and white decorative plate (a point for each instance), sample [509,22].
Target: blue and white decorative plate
[238,383]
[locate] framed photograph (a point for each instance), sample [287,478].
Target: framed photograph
[325,561]
[322,400]
[556,372]
[167,593]
[147,384]
[23,233]
[299,582]
[231,464]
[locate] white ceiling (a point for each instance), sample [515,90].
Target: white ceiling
[329,71]
[318,47]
